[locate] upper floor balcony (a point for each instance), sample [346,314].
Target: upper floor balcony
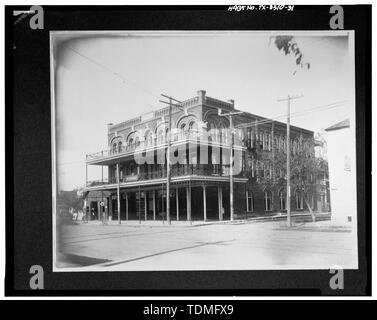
[178,171]
[215,140]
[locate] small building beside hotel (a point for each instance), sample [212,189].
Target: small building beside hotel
[342,172]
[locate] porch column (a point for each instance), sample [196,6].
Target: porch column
[126,206]
[220,200]
[204,203]
[145,205]
[188,200]
[247,201]
[110,205]
[99,210]
[118,193]
[177,202]
[154,204]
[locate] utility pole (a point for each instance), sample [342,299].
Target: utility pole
[118,193]
[168,175]
[139,206]
[288,99]
[231,126]
[168,178]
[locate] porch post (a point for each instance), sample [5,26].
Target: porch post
[110,205]
[154,204]
[218,201]
[220,198]
[118,192]
[247,201]
[126,205]
[177,202]
[204,203]
[188,199]
[145,205]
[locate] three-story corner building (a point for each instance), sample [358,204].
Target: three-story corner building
[200,142]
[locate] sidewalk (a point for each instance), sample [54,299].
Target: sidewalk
[319,226]
[297,217]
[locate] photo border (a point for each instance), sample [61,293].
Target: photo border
[33,48]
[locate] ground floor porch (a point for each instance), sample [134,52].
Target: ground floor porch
[188,201]
[195,200]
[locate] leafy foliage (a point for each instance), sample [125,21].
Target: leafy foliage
[289,46]
[305,167]
[69,199]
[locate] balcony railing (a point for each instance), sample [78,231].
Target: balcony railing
[195,135]
[176,171]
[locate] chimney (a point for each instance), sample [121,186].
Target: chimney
[231,101]
[109,125]
[201,95]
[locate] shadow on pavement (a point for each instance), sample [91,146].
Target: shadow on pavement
[73,260]
[113,263]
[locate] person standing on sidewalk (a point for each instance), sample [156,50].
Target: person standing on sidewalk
[103,211]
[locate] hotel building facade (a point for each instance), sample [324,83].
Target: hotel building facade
[200,144]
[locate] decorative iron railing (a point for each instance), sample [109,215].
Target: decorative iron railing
[176,171]
[176,137]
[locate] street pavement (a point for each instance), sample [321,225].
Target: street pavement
[204,246]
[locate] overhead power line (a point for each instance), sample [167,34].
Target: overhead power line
[246,125]
[294,114]
[116,74]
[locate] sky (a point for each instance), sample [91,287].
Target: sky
[102,78]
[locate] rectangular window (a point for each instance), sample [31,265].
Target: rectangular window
[249,201]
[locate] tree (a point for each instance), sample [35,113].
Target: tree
[305,167]
[289,46]
[70,199]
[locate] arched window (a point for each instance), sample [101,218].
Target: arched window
[148,138]
[193,128]
[249,201]
[160,136]
[131,139]
[137,141]
[212,135]
[223,134]
[193,125]
[114,148]
[120,146]
[299,199]
[267,200]
[282,199]
[182,130]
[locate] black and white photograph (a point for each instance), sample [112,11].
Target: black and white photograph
[173,151]
[203,150]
